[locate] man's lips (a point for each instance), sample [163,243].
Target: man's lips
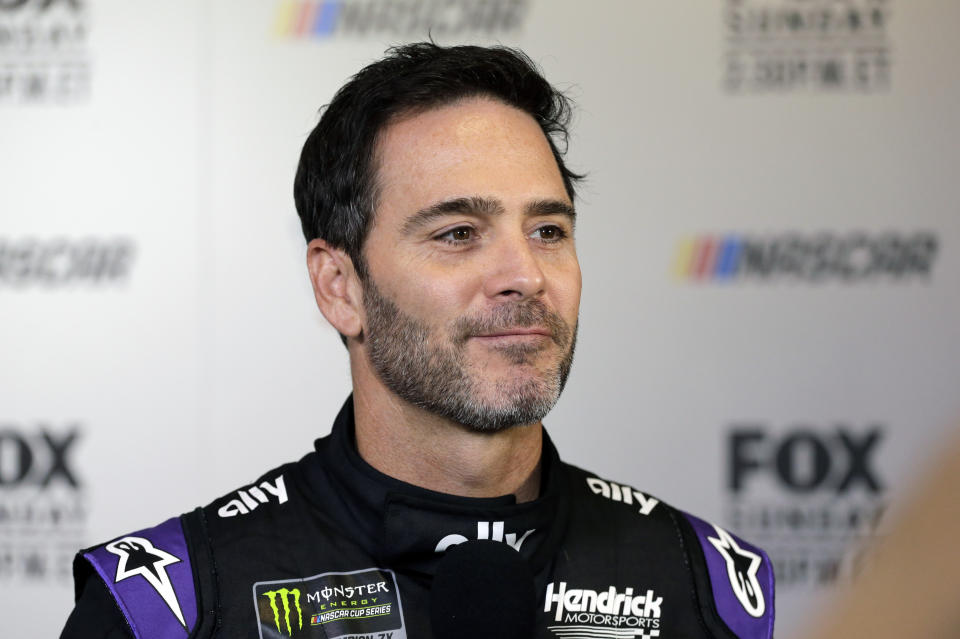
[517,332]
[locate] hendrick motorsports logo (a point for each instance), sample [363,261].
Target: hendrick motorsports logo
[322,19]
[330,605]
[849,258]
[808,45]
[43,51]
[812,497]
[589,613]
[43,509]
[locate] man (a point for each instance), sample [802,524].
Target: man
[440,216]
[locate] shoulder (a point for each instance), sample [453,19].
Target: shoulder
[162,577]
[150,575]
[732,579]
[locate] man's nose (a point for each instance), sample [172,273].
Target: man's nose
[515,272]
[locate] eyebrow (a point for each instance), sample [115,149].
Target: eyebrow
[483,206]
[552,207]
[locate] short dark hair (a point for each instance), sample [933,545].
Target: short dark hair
[335,186]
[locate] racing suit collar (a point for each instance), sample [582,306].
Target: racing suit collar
[410,527]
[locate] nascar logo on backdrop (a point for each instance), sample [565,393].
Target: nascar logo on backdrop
[846,258]
[323,19]
[53,263]
[806,45]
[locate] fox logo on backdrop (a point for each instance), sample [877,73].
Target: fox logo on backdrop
[812,495]
[43,46]
[43,510]
[819,46]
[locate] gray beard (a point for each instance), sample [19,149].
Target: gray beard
[435,376]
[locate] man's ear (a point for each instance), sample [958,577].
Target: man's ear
[336,287]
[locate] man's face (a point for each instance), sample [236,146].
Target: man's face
[473,283]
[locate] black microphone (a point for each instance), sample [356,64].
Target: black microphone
[483,589]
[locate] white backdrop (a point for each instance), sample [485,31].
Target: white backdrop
[160,343]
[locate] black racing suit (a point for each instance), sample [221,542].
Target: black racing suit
[330,547]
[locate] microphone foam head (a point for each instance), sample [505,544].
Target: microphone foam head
[483,589]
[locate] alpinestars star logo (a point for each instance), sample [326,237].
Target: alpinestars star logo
[742,567]
[138,556]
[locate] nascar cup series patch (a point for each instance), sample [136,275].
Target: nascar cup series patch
[331,605]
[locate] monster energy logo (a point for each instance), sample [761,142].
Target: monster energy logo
[285,595]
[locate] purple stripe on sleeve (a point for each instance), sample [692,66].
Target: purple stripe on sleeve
[742,580]
[148,573]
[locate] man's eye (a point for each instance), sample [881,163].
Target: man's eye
[458,235]
[549,233]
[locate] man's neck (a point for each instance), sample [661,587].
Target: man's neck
[420,448]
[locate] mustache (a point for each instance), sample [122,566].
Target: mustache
[513,315]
